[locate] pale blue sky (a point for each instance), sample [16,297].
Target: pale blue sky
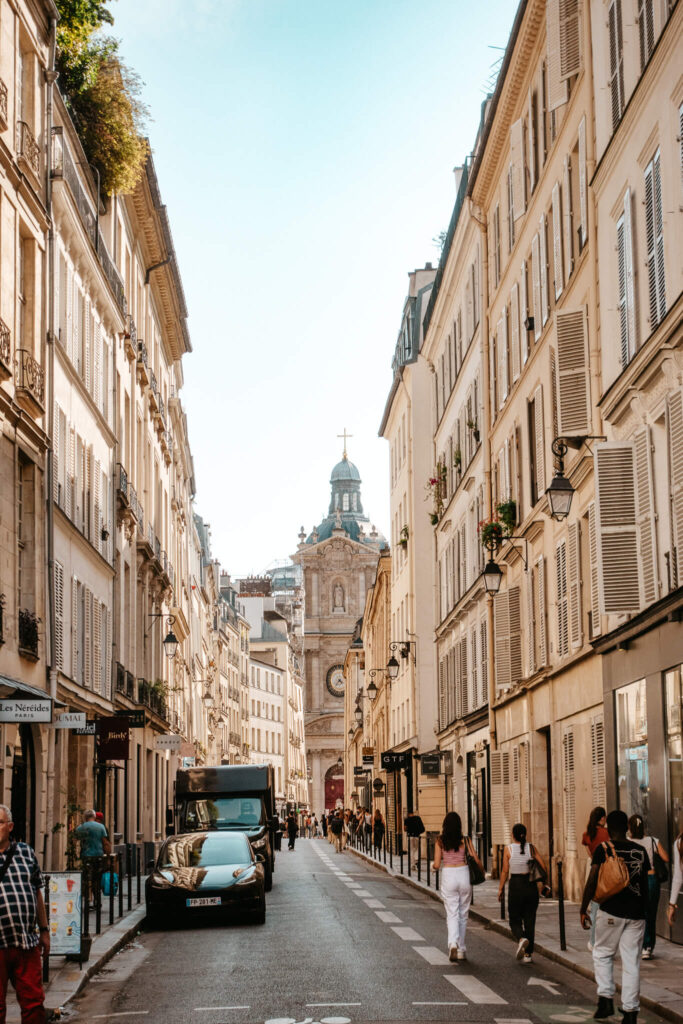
[305,150]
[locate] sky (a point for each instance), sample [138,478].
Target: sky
[305,152]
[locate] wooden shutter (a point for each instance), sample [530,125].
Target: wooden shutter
[655,241]
[567,218]
[583,194]
[97,647]
[570,39]
[557,241]
[59,614]
[514,332]
[74,628]
[493,374]
[574,584]
[475,673]
[500,796]
[594,585]
[57,455]
[469,310]
[515,626]
[517,161]
[558,90]
[69,315]
[97,360]
[536,286]
[96,538]
[88,341]
[630,292]
[71,477]
[503,375]
[598,761]
[573,384]
[543,266]
[501,635]
[523,313]
[530,622]
[88,634]
[465,706]
[674,430]
[617,528]
[561,597]
[541,614]
[484,662]
[539,441]
[616,73]
[531,137]
[646,514]
[622,302]
[646,30]
[443,697]
[569,786]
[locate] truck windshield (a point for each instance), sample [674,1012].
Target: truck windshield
[215,812]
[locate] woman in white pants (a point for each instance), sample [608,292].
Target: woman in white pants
[450,857]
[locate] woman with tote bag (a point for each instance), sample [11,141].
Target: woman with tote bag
[453,855]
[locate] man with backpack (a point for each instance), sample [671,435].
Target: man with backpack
[336,827]
[618,883]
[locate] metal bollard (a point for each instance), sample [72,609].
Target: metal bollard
[560,904]
[409,838]
[399,839]
[85,899]
[436,880]
[111,889]
[120,866]
[428,864]
[46,959]
[502,904]
[391,850]
[138,865]
[129,873]
[419,859]
[97,891]
[384,844]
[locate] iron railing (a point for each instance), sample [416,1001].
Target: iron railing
[28,633]
[5,348]
[30,377]
[3,103]
[27,147]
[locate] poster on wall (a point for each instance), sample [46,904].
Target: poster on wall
[65,912]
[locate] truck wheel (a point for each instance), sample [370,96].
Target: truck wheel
[268,878]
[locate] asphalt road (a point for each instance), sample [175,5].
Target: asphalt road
[343,943]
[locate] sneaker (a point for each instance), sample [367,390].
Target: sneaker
[646,954]
[590,946]
[453,954]
[521,948]
[526,959]
[461,955]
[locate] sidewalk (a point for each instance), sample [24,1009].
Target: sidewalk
[661,979]
[67,978]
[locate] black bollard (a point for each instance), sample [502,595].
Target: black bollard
[138,866]
[399,839]
[129,873]
[96,866]
[85,899]
[111,889]
[436,880]
[560,904]
[46,959]
[409,838]
[384,844]
[419,859]
[428,864]
[391,850]
[120,866]
[502,904]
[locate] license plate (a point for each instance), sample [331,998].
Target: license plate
[204,901]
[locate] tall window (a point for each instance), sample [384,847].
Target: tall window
[633,779]
[654,233]
[616,62]
[646,30]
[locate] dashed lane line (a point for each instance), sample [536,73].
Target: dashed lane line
[433,956]
[209,1009]
[121,1013]
[474,989]
[408,934]
[442,1004]
[374,904]
[362,893]
[319,1005]
[387,917]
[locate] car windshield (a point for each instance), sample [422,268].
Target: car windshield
[215,812]
[205,851]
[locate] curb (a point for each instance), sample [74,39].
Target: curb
[502,929]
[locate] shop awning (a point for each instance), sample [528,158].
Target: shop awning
[14,688]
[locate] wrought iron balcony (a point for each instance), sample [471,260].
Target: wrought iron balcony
[130,685]
[153,392]
[3,106]
[122,483]
[120,682]
[30,383]
[28,150]
[130,338]
[28,634]
[142,364]
[5,351]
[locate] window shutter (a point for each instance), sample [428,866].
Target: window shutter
[523,313]
[97,372]
[62,300]
[97,648]
[503,375]
[536,286]
[56,455]
[74,628]
[514,332]
[646,30]
[502,641]
[570,39]
[659,239]
[543,264]
[484,663]
[573,387]
[500,796]
[674,429]
[106,658]
[71,475]
[88,344]
[539,440]
[69,316]
[463,557]
[574,584]
[443,702]
[464,679]
[583,197]
[541,611]
[515,625]
[557,241]
[558,91]
[598,761]
[469,317]
[616,73]
[88,633]
[530,622]
[493,372]
[569,791]
[617,529]
[517,160]
[567,218]
[646,514]
[594,585]
[475,671]
[59,614]
[97,505]
[561,591]
[531,137]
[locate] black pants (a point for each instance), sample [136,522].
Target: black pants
[522,907]
[292,837]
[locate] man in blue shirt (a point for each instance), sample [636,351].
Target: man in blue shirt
[91,833]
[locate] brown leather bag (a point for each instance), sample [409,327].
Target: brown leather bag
[613,875]
[106,846]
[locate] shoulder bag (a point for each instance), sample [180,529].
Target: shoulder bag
[8,860]
[613,875]
[536,872]
[477,875]
[659,864]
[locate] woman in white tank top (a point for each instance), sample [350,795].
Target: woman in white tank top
[522,892]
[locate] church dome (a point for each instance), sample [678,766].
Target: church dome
[344,470]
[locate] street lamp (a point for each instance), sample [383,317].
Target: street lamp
[493,574]
[371,690]
[405,647]
[561,492]
[340,763]
[171,640]
[358,714]
[351,733]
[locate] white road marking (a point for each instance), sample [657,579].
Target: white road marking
[512,1020]
[443,1004]
[311,1006]
[388,917]
[408,934]
[550,986]
[362,892]
[374,904]
[476,991]
[433,956]
[123,1013]
[208,1009]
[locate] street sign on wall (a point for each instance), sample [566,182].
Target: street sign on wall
[168,741]
[394,760]
[14,710]
[89,729]
[113,736]
[70,720]
[430,764]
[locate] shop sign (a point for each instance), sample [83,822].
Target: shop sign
[368,755]
[430,764]
[64,912]
[89,729]
[359,770]
[168,741]
[393,760]
[25,710]
[113,735]
[70,720]
[136,719]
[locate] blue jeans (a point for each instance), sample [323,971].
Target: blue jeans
[653,902]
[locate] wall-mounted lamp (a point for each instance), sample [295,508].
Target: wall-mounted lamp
[171,640]
[561,492]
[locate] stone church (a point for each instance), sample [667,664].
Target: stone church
[339,560]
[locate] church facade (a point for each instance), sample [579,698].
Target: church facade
[338,561]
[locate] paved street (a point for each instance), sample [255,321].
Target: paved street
[343,942]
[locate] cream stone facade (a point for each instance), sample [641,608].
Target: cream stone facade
[268,721]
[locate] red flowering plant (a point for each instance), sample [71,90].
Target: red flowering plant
[491,533]
[436,490]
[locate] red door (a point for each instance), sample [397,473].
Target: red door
[334,790]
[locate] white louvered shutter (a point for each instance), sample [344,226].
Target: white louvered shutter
[443,696]
[598,779]
[62,301]
[97,370]
[517,161]
[543,266]
[536,286]
[567,218]
[465,704]
[616,64]
[493,374]
[557,242]
[69,316]
[523,313]
[573,376]
[74,628]
[96,480]
[57,455]
[674,429]
[561,597]
[501,636]
[88,634]
[475,670]
[629,274]
[570,39]
[622,302]
[515,627]
[531,138]
[500,796]
[558,90]
[59,614]
[539,440]
[530,622]
[574,584]
[583,187]
[469,310]
[70,482]
[504,375]
[569,787]
[655,241]
[97,647]
[646,514]
[515,359]
[483,660]
[646,30]
[617,528]
[88,342]
[541,611]
[594,585]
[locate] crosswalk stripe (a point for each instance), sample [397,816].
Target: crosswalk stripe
[362,893]
[408,934]
[374,904]
[387,917]
[475,990]
[432,955]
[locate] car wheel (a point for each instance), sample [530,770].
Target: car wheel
[260,914]
[156,918]
[268,877]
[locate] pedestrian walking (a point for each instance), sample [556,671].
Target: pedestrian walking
[93,836]
[367,828]
[336,829]
[378,829]
[414,828]
[621,919]
[22,908]
[595,834]
[292,829]
[450,857]
[323,824]
[316,827]
[654,849]
[518,860]
[677,879]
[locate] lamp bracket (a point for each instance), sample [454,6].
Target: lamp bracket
[525,556]
[405,647]
[170,620]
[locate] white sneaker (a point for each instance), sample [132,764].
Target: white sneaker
[646,954]
[453,954]
[521,948]
[461,954]
[526,959]
[590,946]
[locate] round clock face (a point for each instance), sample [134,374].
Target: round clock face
[335,680]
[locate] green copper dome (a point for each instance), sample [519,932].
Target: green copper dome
[346,508]
[345,470]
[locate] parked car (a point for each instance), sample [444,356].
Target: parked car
[205,872]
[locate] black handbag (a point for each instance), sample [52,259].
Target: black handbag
[8,860]
[477,875]
[659,864]
[536,872]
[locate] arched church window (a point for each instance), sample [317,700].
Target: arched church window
[346,501]
[355,501]
[336,500]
